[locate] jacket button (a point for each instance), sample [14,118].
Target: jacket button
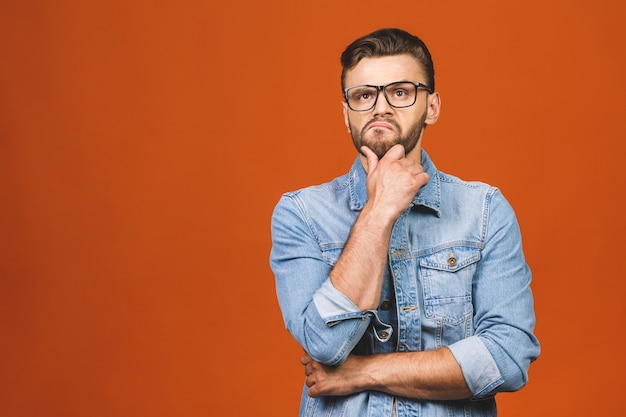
[383,335]
[385,305]
[452,261]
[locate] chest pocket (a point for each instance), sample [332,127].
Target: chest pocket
[447,283]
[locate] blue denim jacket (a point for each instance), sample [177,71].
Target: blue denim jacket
[456,277]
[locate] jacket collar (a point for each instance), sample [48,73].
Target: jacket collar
[428,196]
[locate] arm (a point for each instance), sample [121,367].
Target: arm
[392,183]
[327,310]
[429,375]
[497,357]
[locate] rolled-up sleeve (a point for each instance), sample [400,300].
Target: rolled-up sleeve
[480,370]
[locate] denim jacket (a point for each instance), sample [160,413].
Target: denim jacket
[456,277]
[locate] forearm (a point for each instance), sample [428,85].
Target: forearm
[429,375]
[359,271]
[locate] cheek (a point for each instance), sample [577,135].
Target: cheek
[412,122]
[354,123]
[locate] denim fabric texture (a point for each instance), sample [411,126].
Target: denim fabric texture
[456,277]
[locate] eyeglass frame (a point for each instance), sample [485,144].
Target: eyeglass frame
[382,88]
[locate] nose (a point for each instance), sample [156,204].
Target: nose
[382,105]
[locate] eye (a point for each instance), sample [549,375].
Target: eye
[400,93]
[362,94]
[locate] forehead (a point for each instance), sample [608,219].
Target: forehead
[384,70]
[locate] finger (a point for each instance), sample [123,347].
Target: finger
[305,359]
[372,159]
[313,390]
[415,169]
[308,368]
[395,152]
[409,163]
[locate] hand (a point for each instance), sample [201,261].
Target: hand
[392,181]
[324,380]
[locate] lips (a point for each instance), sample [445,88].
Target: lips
[381,125]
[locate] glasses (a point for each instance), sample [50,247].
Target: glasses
[399,94]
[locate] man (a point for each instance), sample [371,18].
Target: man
[406,287]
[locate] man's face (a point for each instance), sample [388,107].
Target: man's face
[384,126]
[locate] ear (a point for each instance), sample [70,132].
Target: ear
[434,108]
[346,120]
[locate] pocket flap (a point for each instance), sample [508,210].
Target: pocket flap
[451,259]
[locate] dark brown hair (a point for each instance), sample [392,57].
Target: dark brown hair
[387,42]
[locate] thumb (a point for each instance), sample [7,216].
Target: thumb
[372,158]
[396,152]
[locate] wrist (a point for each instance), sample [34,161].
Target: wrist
[379,216]
[368,376]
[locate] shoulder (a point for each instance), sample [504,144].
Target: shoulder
[347,190]
[454,182]
[311,201]
[462,197]
[320,190]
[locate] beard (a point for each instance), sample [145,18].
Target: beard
[379,144]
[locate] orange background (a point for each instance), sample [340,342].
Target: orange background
[143,146]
